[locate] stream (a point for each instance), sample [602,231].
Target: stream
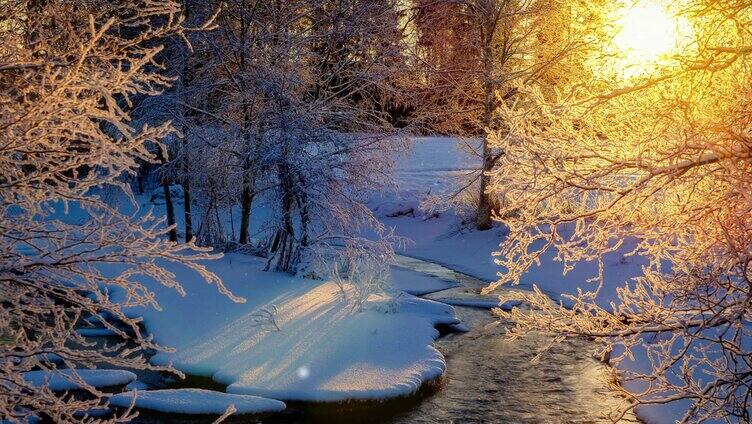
[492,379]
[489,379]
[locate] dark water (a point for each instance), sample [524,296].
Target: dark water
[489,379]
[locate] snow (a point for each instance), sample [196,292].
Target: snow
[432,167]
[62,380]
[137,385]
[483,303]
[30,418]
[323,348]
[157,195]
[417,283]
[48,358]
[470,251]
[471,297]
[96,332]
[196,401]
[326,349]
[431,160]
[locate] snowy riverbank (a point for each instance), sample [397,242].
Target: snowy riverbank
[297,339]
[439,165]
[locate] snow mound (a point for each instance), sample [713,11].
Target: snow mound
[297,339]
[335,355]
[196,401]
[137,385]
[47,358]
[62,380]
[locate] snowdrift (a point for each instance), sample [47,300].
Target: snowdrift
[297,339]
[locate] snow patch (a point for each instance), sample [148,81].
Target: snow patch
[482,303]
[195,401]
[137,385]
[416,283]
[62,380]
[96,332]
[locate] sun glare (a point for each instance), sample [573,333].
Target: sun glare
[649,34]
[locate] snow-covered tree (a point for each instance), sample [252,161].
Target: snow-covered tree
[294,114]
[332,134]
[649,159]
[69,74]
[470,51]
[179,104]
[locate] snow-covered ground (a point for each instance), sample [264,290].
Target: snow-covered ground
[322,348]
[415,283]
[437,165]
[297,339]
[300,339]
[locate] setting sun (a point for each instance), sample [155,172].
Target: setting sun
[649,33]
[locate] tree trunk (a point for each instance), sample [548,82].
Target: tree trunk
[187,209]
[484,201]
[246,202]
[283,245]
[185,80]
[186,184]
[285,263]
[489,105]
[173,234]
[143,171]
[246,197]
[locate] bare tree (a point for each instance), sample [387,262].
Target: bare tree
[298,108]
[333,131]
[181,104]
[661,158]
[470,51]
[69,72]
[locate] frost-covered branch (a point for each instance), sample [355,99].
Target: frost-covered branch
[70,74]
[656,168]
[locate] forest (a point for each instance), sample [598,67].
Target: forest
[377,211]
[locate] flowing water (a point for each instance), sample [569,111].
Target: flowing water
[489,379]
[492,379]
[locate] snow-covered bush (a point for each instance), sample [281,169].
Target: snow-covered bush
[359,275]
